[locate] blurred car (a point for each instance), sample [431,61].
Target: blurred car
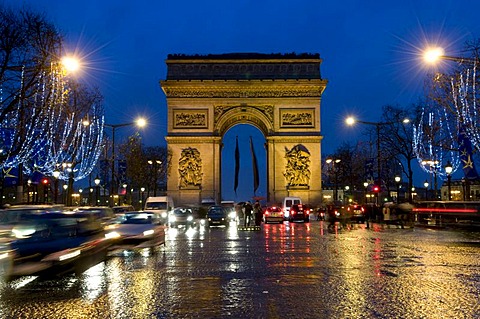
[12,215]
[230,207]
[181,216]
[104,214]
[356,213]
[299,212]
[122,209]
[217,216]
[54,243]
[273,214]
[136,229]
[6,260]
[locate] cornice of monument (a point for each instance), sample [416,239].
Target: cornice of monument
[254,88]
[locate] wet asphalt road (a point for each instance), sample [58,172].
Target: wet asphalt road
[283,271]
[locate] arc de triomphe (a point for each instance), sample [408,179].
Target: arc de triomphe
[280,94]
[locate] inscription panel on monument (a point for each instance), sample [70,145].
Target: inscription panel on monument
[297,118]
[185,118]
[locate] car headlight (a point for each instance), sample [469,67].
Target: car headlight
[148,232]
[172,218]
[190,218]
[233,215]
[23,233]
[164,215]
[112,234]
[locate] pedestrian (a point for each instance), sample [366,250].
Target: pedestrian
[257,208]
[248,214]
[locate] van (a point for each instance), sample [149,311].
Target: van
[161,205]
[288,202]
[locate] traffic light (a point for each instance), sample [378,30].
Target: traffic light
[45,181]
[376,188]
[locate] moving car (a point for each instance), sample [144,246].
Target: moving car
[273,214]
[356,213]
[54,243]
[102,213]
[217,216]
[181,216]
[122,209]
[299,212]
[137,229]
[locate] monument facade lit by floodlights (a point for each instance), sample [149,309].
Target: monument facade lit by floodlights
[280,94]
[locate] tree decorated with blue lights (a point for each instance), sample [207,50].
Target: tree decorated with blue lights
[450,127]
[47,119]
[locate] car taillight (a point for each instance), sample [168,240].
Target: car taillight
[267,212]
[292,212]
[307,211]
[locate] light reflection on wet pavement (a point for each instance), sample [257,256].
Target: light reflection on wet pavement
[283,271]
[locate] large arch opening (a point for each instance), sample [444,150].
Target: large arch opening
[245,187]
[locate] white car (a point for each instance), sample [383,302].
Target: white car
[136,230]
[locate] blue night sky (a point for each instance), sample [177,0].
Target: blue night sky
[370,51]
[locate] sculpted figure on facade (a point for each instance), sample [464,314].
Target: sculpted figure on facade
[297,169]
[190,168]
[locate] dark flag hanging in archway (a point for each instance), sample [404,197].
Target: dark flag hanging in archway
[255,168]
[237,166]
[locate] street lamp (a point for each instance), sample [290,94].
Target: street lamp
[398,180]
[142,190]
[351,121]
[433,55]
[56,175]
[97,193]
[335,174]
[155,164]
[365,184]
[65,193]
[140,122]
[432,167]
[448,170]
[426,189]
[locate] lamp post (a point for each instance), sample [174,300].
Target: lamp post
[154,164]
[56,175]
[97,187]
[65,193]
[432,167]
[448,170]
[398,180]
[365,185]
[426,189]
[351,121]
[335,174]
[142,190]
[140,122]
[68,167]
[29,191]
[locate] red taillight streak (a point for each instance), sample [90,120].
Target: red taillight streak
[444,210]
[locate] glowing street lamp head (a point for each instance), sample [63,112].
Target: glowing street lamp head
[350,120]
[432,55]
[71,64]
[141,122]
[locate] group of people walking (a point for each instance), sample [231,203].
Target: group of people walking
[252,214]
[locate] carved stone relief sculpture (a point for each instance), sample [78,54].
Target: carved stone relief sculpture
[297,170]
[190,168]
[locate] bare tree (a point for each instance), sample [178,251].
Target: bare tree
[397,142]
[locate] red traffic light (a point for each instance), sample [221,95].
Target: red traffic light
[376,189]
[45,181]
